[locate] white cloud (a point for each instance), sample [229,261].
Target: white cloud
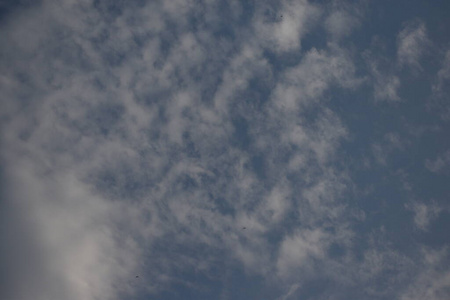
[386,88]
[385,83]
[424,213]
[84,255]
[343,19]
[318,71]
[433,282]
[412,42]
[439,164]
[339,24]
[298,250]
[382,150]
[283,29]
[443,75]
[292,289]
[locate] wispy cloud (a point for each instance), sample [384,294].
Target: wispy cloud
[440,163]
[443,75]
[343,18]
[412,42]
[389,143]
[433,281]
[424,213]
[385,82]
[281,28]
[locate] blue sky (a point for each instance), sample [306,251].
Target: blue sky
[224,149]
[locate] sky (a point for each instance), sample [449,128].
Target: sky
[212,149]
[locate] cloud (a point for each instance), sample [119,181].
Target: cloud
[443,75]
[433,282]
[424,213]
[439,164]
[78,252]
[385,82]
[343,19]
[127,138]
[297,251]
[437,102]
[313,76]
[281,29]
[291,291]
[390,142]
[189,142]
[412,41]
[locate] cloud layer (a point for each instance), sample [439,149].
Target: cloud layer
[233,150]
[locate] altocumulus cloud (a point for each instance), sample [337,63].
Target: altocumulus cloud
[223,150]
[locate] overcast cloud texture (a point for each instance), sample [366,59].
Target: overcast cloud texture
[209,149]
